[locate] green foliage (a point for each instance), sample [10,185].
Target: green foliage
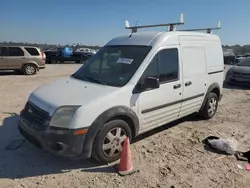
[238,50]
[44,46]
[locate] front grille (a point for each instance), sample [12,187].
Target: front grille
[29,137]
[35,116]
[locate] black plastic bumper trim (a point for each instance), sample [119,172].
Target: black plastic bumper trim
[56,141]
[215,72]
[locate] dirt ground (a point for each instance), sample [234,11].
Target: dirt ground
[170,156]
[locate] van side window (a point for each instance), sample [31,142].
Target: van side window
[152,69]
[168,65]
[164,66]
[15,51]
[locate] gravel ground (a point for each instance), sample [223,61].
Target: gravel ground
[172,155]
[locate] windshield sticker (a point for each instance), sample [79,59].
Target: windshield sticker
[125,60]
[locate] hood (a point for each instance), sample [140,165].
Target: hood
[240,69]
[68,91]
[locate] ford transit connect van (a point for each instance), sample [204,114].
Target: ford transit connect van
[133,84]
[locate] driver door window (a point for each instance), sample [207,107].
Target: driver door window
[164,66]
[168,65]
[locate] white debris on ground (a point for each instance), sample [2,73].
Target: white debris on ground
[228,145]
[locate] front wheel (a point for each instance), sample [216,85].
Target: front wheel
[108,144]
[210,107]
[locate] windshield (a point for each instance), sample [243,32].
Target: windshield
[245,63]
[113,65]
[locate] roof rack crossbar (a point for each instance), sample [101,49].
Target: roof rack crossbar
[170,28]
[209,30]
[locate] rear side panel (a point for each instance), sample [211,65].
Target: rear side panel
[194,75]
[35,55]
[202,60]
[215,63]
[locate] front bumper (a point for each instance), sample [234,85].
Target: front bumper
[62,142]
[237,81]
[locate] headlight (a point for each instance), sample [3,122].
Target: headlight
[63,116]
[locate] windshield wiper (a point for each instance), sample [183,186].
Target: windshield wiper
[94,80]
[87,78]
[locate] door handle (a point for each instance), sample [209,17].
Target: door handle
[1,57]
[23,58]
[188,83]
[177,86]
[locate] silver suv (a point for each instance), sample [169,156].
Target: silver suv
[27,59]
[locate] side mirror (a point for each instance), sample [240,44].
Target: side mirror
[151,83]
[147,84]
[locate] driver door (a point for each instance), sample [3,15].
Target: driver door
[161,105]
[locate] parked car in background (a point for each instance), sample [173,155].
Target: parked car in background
[26,59]
[238,58]
[229,59]
[240,73]
[57,56]
[87,50]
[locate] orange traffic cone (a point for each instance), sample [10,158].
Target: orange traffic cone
[126,167]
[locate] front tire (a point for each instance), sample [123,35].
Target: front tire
[210,107]
[109,141]
[29,69]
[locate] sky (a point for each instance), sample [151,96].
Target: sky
[95,22]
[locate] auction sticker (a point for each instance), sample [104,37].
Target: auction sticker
[125,60]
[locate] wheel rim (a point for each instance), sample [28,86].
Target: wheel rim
[112,143]
[212,106]
[30,69]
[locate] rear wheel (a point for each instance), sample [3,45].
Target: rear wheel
[108,144]
[54,61]
[29,69]
[210,107]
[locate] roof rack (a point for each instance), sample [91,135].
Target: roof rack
[171,26]
[209,30]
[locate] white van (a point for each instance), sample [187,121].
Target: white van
[133,84]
